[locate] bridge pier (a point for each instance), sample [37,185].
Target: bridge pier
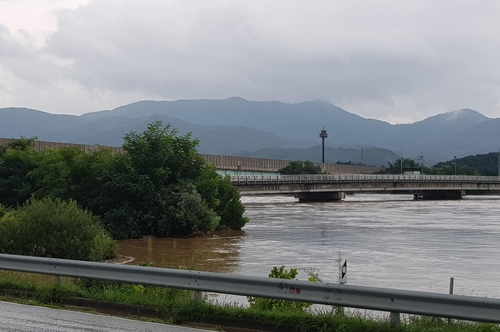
[439,194]
[320,196]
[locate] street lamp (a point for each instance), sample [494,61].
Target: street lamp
[455,162]
[323,135]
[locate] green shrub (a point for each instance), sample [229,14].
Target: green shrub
[3,210]
[189,213]
[103,247]
[272,304]
[54,228]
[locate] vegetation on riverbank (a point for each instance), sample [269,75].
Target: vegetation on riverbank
[160,186]
[300,167]
[54,228]
[178,307]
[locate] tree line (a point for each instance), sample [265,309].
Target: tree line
[478,165]
[159,186]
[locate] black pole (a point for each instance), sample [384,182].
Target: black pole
[323,135]
[323,150]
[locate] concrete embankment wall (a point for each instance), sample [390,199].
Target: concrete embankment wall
[42,145]
[273,165]
[232,163]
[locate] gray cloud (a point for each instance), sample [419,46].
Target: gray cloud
[398,61]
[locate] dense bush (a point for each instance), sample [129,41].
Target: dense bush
[54,228]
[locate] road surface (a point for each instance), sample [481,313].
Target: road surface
[23,318]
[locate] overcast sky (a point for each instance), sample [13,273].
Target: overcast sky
[398,61]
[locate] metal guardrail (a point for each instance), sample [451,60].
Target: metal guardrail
[391,300]
[329,178]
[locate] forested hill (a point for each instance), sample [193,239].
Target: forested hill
[484,164]
[236,126]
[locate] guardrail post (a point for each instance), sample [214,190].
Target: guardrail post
[199,296]
[452,281]
[395,318]
[58,280]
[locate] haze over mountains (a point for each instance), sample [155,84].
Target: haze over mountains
[273,129]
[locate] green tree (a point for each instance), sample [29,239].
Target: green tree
[223,197]
[160,157]
[230,209]
[208,185]
[17,160]
[479,164]
[450,170]
[300,167]
[186,213]
[111,193]
[164,169]
[54,173]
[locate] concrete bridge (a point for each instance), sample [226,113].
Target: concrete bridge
[326,187]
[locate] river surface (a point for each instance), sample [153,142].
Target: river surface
[389,241]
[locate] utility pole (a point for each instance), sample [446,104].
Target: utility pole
[401,158]
[323,135]
[421,157]
[455,164]
[498,162]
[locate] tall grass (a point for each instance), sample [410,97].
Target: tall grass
[103,247]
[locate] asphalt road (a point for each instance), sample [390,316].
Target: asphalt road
[23,318]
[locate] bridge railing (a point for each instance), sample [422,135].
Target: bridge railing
[330,178]
[392,300]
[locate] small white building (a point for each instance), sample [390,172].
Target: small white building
[412,170]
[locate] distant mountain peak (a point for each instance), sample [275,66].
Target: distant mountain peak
[464,114]
[237,99]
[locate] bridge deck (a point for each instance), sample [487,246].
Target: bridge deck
[327,183]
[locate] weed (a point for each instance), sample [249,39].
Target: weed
[275,304]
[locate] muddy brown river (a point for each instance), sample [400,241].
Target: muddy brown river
[389,241]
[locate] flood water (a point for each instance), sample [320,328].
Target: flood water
[389,241]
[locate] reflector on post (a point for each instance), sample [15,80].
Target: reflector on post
[343,271]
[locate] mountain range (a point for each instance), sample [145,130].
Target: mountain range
[235,126]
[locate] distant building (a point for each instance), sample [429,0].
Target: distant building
[412,170]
